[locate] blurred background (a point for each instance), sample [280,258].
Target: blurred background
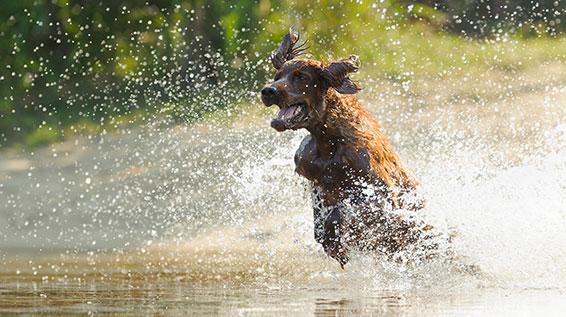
[74,67]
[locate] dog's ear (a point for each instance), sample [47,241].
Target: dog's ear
[348,87]
[336,74]
[288,49]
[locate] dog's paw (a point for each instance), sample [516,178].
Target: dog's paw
[336,250]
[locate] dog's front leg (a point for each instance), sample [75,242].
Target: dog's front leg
[332,239]
[308,162]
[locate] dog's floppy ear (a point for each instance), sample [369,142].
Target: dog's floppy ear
[336,74]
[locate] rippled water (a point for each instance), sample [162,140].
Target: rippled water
[174,298]
[209,218]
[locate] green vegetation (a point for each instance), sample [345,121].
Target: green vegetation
[73,66]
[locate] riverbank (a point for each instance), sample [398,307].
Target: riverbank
[405,64]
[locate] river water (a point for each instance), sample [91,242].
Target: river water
[210,219]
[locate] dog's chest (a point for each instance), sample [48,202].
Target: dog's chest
[307,161]
[341,167]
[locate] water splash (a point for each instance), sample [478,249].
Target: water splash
[510,219]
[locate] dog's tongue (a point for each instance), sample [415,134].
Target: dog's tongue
[287,112]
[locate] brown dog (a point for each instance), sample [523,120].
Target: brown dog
[359,185]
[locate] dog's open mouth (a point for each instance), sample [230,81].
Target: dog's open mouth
[290,116]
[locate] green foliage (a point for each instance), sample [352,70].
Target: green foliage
[487,17]
[71,61]
[42,136]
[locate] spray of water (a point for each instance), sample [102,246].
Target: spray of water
[213,197]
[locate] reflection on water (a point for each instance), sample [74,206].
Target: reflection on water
[170,297]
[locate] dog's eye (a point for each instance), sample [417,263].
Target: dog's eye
[300,76]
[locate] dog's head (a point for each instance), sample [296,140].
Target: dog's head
[299,86]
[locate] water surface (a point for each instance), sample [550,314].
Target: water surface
[209,218]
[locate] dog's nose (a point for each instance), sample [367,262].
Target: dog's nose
[268,91]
